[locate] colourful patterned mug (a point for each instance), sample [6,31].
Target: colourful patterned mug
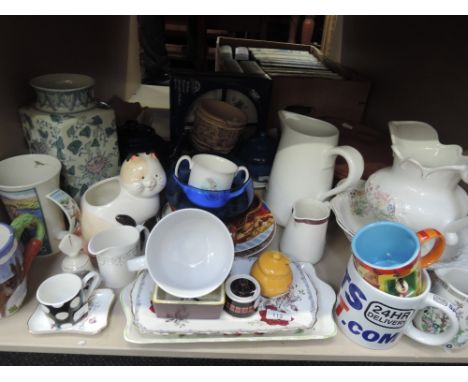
[388,256]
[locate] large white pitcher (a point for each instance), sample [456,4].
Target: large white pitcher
[304,164]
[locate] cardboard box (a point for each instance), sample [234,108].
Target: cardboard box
[321,98]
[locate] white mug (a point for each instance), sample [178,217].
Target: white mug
[25,181]
[450,283]
[304,237]
[377,320]
[63,297]
[113,247]
[211,172]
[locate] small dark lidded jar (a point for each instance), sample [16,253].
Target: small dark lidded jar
[242,295]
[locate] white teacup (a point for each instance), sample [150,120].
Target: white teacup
[211,172]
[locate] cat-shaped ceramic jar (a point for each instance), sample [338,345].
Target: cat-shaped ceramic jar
[134,193]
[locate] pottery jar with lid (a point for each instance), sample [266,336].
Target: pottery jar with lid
[65,121]
[273,273]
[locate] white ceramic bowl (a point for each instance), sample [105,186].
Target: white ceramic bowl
[189,253]
[351,209]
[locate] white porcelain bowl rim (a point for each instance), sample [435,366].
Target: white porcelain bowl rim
[193,240]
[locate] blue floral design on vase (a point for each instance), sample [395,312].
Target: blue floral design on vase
[67,122]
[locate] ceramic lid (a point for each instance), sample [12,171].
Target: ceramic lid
[6,239]
[274,263]
[62,82]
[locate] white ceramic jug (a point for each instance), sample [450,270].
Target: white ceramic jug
[422,188]
[304,237]
[304,164]
[113,247]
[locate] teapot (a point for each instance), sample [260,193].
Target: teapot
[14,263]
[422,188]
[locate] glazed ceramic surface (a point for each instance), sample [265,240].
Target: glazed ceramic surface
[208,306]
[189,253]
[352,210]
[14,264]
[377,320]
[449,283]
[388,256]
[113,248]
[65,122]
[134,193]
[25,182]
[64,92]
[304,164]
[296,310]
[304,237]
[94,322]
[253,232]
[273,272]
[211,172]
[64,297]
[324,326]
[421,188]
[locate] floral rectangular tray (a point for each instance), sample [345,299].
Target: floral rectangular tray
[294,310]
[324,326]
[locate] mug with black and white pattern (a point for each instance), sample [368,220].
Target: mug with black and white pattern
[64,297]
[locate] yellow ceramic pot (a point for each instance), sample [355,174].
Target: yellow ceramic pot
[273,273]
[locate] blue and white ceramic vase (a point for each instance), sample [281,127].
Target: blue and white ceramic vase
[68,123]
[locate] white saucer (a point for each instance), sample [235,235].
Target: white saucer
[94,322]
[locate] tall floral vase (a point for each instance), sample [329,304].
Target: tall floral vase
[66,121]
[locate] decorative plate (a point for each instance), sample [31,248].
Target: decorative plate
[94,322]
[252,230]
[295,310]
[352,210]
[323,328]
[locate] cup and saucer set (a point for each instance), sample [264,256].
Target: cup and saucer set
[70,304]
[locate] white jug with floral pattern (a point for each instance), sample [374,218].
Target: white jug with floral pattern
[422,188]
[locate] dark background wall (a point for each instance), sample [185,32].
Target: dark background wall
[418,66]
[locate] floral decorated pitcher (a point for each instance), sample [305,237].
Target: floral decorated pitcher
[422,188]
[14,263]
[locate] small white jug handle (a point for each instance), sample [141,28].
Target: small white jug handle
[430,338]
[94,284]
[179,161]
[245,171]
[355,169]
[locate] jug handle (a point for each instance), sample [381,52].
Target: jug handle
[451,229]
[34,245]
[355,169]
